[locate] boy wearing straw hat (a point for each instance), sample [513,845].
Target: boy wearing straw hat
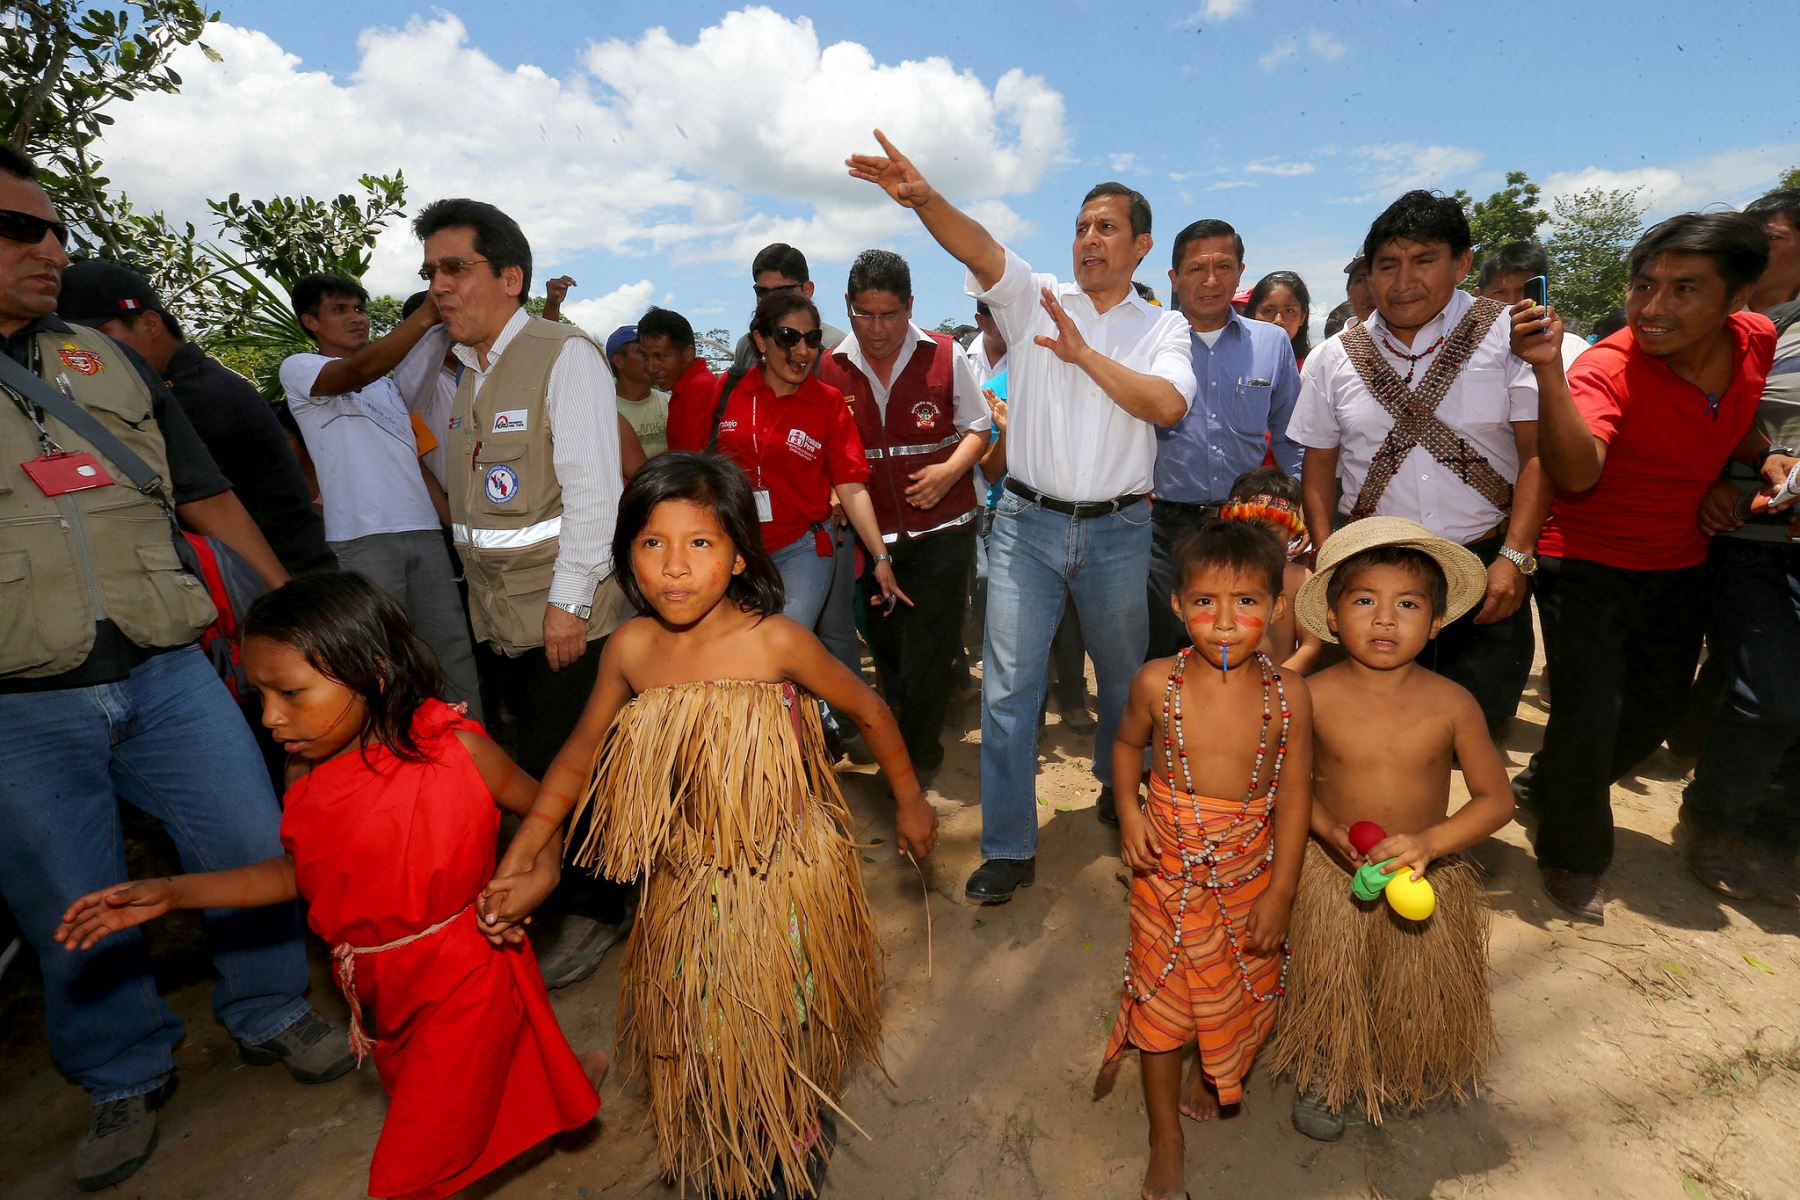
[1385,1013]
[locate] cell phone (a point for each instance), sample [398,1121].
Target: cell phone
[1537,290]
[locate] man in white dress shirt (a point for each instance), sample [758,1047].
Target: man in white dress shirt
[532,448]
[1465,464]
[1093,371]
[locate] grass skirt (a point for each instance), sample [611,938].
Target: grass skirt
[753,975]
[1383,1013]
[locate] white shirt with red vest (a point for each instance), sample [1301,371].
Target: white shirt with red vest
[917,419]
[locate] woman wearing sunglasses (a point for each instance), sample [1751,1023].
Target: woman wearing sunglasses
[797,441]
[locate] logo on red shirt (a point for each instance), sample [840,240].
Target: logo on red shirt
[804,444]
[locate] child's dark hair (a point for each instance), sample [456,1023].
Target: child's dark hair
[716,483]
[352,632]
[1437,588]
[1231,546]
[1266,481]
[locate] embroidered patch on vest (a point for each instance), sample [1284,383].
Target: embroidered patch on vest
[455,423]
[77,359]
[511,421]
[924,414]
[501,484]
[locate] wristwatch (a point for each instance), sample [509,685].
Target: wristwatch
[1527,563]
[584,611]
[1770,451]
[884,558]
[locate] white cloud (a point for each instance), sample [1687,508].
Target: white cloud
[1227,185]
[1276,166]
[650,145]
[1732,176]
[1121,163]
[1321,44]
[1217,10]
[600,315]
[1394,167]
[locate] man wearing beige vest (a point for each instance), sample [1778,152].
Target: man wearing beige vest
[532,454]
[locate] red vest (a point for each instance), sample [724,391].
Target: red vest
[917,430]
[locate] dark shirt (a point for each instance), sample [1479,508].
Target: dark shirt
[192,476]
[245,438]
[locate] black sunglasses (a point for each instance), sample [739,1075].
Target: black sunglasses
[787,337]
[771,289]
[16,226]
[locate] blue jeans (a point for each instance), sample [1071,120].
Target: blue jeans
[170,741]
[837,615]
[806,578]
[1038,559]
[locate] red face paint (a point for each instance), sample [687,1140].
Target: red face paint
[1250,622]
[1205,617]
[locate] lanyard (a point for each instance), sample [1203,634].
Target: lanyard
[756,441]
[35,412]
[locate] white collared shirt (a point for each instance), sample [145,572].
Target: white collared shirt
[580,404]
[968,409]
[976,357]
[1495,389]
[429,388]
[1064,436]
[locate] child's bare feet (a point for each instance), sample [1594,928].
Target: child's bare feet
[595,1065]
[1198,1101]
[1163,1178]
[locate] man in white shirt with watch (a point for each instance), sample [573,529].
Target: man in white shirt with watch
[1469,471]
[1093,372]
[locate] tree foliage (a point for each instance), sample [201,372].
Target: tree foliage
[1512,214]
[1591,235]
[1791,178]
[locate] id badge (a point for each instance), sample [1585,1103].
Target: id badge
[765,508]
[60,474]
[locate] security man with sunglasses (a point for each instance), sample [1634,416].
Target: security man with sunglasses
[105,697]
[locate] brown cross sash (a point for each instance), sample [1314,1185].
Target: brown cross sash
[1415,416]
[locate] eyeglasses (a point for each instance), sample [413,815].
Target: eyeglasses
[787,337]
[447,266]
[881,318]
[16,226]
[772,288]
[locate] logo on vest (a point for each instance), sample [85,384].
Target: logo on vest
[501,484]
[77,359]
[455,423]
[924,414]
[510,421]
[804,444]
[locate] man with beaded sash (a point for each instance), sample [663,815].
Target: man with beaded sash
[1425,412]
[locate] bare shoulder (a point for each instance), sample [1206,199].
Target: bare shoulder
[1152,677]
[1434,691]
[1296,688]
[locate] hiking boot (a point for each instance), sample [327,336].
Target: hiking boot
[1315,1120]
[1577,893]
[1726,862]
[121,1137]
[995,880]
[313,1049]
[577,948]
[1107,808]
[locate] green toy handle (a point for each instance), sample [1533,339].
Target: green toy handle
[1370,880]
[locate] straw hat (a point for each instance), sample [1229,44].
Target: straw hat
[1462,570]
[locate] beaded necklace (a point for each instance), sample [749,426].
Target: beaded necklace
[1212,853]
[1412,360]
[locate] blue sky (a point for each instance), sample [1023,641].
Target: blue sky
[649,165]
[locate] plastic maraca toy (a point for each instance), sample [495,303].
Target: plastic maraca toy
[1413,898]
[1410,896]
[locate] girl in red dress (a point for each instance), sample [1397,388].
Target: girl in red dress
[390,826]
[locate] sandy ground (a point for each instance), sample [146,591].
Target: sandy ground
[1653,1057]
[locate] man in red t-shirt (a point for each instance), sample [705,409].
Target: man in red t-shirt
[667,341]
[1633,439]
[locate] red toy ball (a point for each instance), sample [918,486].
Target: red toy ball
[1365,835]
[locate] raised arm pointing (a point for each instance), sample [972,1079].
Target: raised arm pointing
[956,231]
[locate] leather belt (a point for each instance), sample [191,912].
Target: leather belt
[1079,509]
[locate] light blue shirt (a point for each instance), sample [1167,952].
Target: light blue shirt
[1248,383]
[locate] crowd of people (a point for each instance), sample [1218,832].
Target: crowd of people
[514,568]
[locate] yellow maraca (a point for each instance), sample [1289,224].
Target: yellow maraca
[1410,896]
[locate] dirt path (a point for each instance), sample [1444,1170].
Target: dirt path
[1658,1056]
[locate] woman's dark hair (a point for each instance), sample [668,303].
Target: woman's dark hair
[1737,245]
[773,307]
[1302,340]
[352,632]
[715,483]
[1420,216]
[1231,546]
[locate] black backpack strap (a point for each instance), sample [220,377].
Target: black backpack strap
[733,377]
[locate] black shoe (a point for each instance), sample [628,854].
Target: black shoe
[121,1137]
[1107,808]
[834,740]
[995,880]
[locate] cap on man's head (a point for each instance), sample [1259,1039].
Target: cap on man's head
[96,291]
[620,338]
[1361,260]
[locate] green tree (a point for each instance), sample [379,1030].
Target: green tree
[1591,235]
[1791,179]
[1512,214]
[717,347]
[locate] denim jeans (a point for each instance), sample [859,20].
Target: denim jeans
[168,740]
[1748,778]
[806,578]
[416,570]
[1037,559]
[837,613]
